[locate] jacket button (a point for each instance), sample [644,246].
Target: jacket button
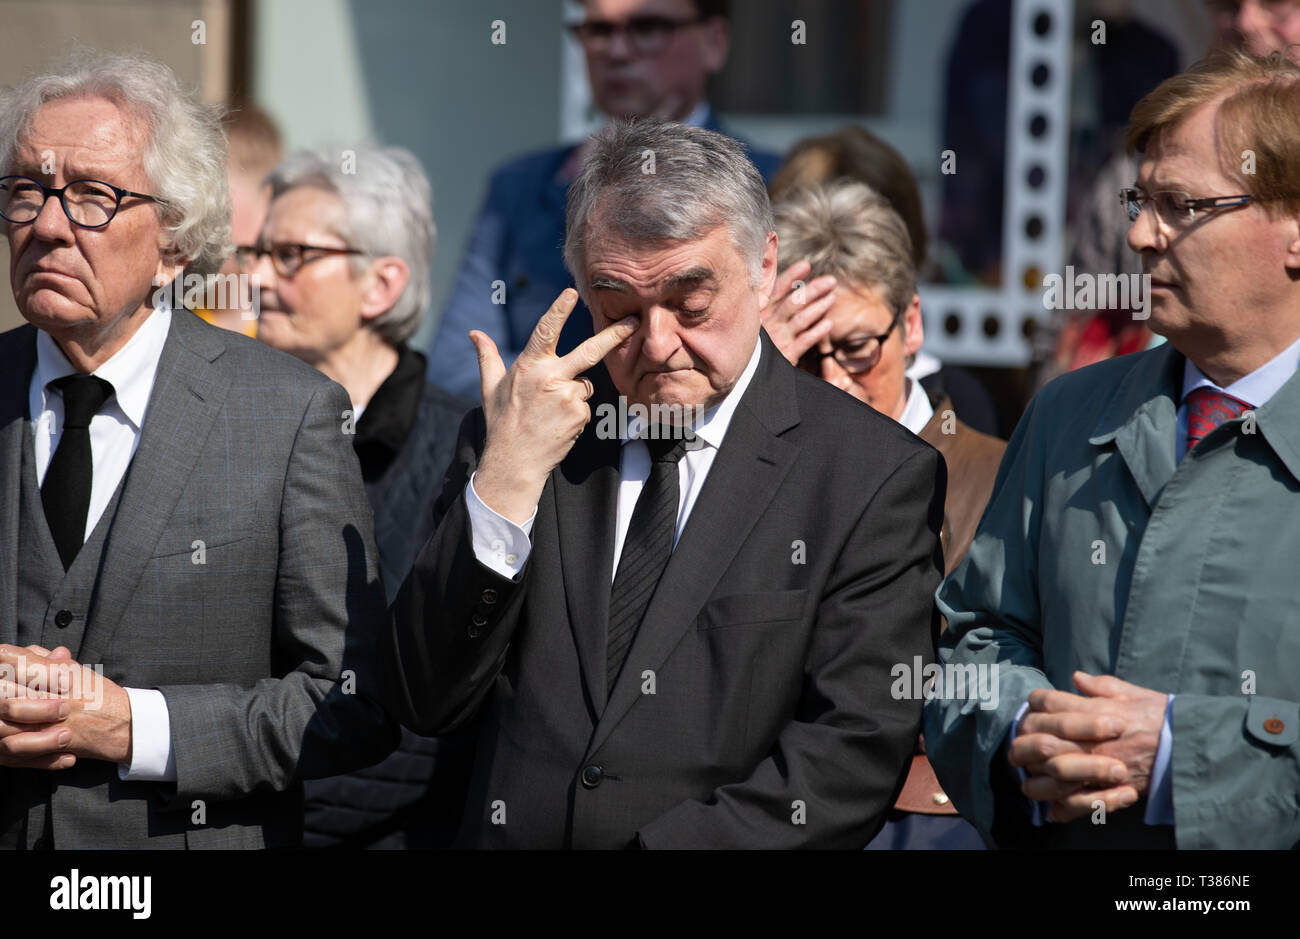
[592,775]
[63,619]
[489,596]
[479,620]
[1274,726]
[940,798]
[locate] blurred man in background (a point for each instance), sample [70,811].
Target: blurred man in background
[645,58]
[255,149]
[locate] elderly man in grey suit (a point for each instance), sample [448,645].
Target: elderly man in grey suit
[182,510]
[1132,585]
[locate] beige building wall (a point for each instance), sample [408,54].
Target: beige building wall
[38,32]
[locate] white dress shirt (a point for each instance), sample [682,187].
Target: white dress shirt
[114,436]
[503,546]
[917,411]
[1255,389]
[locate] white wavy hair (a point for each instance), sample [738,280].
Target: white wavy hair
[184,154]
[387,211]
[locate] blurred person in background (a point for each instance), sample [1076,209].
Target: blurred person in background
[848,231]
[343,268]
[853,152]
[255,149]
[645,58]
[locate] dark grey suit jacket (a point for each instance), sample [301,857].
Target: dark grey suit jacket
[755,709]
[245,449]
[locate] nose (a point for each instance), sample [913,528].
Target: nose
[1145,232]
[262,274]
[834,373]
[1253,22]
[51,223]
[659,334]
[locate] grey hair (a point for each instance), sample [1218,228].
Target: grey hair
[388,210]
[848,230]
[184,156]
[657,182]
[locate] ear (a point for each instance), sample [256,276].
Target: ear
[914,331]
[767,279]
[716,40]
[1292,256]
[382,285]
[169,267]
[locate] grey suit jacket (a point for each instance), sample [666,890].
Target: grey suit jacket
[245,449]
[755,708]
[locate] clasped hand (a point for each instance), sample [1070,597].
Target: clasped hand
[1098,746]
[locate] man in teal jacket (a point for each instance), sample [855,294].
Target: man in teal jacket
[1130,597]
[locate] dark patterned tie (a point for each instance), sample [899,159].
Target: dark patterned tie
[1207,408]
[65,493]
[646,550]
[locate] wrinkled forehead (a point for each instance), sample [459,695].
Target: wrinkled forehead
[78,137]
[303,211]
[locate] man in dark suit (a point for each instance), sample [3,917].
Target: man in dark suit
[645,58]
[673,634]
[182,518]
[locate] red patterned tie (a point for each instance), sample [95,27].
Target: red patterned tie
[1207,408]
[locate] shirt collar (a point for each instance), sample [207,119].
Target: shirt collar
[917,411]
[712,426]
[1257,387]
[130,370]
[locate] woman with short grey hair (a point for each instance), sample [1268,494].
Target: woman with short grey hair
[342,266]
[870,327]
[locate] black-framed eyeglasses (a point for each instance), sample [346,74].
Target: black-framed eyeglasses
[646,35]
[88,203]
[287,259]
[1174,206]
[856,356]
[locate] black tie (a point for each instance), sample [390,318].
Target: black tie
[65,494]
[646,550]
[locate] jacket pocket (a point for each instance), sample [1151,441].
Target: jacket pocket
[746,609]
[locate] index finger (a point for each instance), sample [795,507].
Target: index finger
[600,345]
[547,331]
[785,283]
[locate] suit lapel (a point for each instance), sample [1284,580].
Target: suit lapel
[1142,420]
[19,358]
[746,473]
[188,394]
[586,504]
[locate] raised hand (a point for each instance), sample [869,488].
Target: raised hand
[795,316]
[537,410]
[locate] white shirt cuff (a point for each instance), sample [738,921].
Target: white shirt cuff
[499,544]
[152,757]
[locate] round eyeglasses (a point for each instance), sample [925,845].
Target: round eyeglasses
[89,203]
[855,356]
[287,259]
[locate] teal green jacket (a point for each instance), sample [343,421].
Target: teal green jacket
[1099,552]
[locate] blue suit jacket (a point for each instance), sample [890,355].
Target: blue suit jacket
[518,240]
